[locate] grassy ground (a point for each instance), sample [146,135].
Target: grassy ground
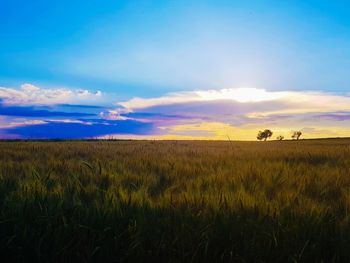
[175,201]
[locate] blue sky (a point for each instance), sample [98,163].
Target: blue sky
[197,68]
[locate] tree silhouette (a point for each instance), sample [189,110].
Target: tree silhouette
[280,138]
[264,135]
[296,135]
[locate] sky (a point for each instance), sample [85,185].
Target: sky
[209,69]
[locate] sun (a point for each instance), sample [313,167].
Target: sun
[242,95]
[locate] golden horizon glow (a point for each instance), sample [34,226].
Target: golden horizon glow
[223,132]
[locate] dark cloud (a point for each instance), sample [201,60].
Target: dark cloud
[40,111]
[225,107]
[62,130]
[217,107]
[226,111]
[339,116]
[158,117]
[80,106]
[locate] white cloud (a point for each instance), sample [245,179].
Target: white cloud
[29,94]
[270,102]
[6,122]
[114,114]
[238,95]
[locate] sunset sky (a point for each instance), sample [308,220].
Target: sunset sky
[210,69]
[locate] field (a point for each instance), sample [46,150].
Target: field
[175,201]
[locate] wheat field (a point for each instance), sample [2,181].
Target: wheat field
[175,201]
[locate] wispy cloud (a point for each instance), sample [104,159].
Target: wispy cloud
[18,122]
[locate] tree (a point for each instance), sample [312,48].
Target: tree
[280,138]
[264,135]
[296,135]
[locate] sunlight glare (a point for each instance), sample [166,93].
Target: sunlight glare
[242,95]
